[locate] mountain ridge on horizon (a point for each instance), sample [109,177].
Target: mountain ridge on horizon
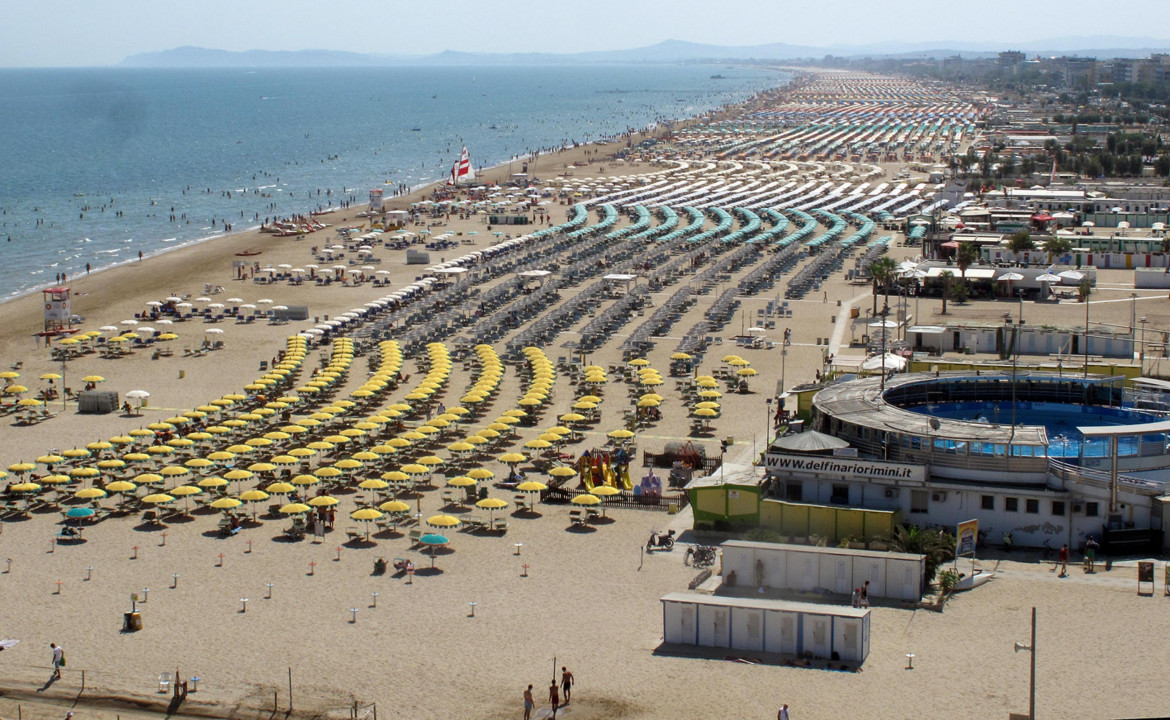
[665,51]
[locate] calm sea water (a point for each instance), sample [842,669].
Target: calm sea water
[100,164]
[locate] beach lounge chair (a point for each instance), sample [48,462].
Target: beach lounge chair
[353,533]
[415,537]
[576,517]
[500,525]
[164,682]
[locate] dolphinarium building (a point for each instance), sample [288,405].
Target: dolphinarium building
[1051,458]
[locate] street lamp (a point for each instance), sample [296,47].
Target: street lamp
[885,313]
[1143,321]
[767,424]
[1031,648]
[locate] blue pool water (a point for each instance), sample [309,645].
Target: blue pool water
[1059,420]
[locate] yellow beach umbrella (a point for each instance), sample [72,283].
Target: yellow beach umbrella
[443,521]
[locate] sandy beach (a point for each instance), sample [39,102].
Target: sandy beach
[498,611]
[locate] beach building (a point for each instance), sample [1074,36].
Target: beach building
[1049,458]
[764,625]
[781,567]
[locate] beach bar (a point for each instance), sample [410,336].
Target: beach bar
[803,568]
[763,625]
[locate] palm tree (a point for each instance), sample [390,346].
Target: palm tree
[881,272]
[966,256]
[938,546]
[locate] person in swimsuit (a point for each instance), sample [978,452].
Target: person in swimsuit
[554,697]
[566,683]
[529,703]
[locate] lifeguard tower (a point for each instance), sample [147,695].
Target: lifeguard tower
[58,312]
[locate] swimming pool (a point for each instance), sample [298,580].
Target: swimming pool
[1059,420]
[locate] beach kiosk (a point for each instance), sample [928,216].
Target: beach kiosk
[830,632]
[729,496]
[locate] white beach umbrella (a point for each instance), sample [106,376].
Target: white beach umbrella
[214,331]
[887,361]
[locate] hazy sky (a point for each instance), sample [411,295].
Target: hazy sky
[102,32]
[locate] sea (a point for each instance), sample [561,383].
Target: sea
[99,165]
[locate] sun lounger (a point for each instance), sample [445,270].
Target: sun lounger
[415,537]
[353,533]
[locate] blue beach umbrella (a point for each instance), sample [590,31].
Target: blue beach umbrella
[433,541]
[79,512]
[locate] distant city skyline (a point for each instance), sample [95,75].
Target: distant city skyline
[85,32]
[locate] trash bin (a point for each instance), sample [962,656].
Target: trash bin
[131,622]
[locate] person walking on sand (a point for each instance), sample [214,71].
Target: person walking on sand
[783,714]
[1062,560]
[567,680]
[529,703]
[554,697]
[58,659]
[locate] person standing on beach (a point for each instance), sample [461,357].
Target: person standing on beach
[554,697]
[529,703]
[783,714]
[567,680]
[58,659]
[864,595]
[1062,560]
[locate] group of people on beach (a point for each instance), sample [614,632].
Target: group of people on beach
[554,694]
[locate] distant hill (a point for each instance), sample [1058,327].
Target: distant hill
[663,52]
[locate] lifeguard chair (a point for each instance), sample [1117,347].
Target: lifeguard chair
[58,311]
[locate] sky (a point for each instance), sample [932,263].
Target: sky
[103,32]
